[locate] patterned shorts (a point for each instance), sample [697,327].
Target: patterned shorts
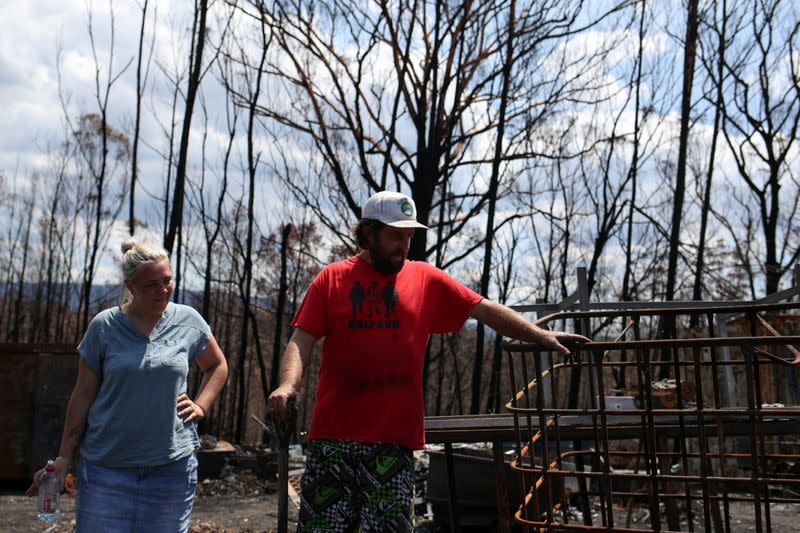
[348,484]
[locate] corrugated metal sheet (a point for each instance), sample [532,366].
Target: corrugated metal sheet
[35,383]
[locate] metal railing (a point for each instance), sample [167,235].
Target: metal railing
[677,427]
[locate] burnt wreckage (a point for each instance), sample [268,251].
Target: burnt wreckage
[689,411]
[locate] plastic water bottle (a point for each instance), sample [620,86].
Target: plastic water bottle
[49,494]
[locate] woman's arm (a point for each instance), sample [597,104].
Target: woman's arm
[80,401]
[215,371]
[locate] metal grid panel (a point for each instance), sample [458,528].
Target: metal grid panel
[685,449]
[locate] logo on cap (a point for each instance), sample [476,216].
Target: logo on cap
[406,208]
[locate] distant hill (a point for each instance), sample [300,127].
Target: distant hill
[108,294]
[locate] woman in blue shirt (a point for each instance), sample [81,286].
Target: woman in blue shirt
[129,412]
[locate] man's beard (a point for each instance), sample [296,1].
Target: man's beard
[383,262]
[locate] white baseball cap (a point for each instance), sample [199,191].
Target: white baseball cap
[393,209]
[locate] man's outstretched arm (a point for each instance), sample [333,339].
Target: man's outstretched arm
[509,323]
[295,360]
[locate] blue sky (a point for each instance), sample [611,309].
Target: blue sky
[37,36]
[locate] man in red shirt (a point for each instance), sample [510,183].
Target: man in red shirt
[376,311]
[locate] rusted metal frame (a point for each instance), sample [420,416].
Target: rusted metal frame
[678,343]
[756,365]
[671,477]
[550,526]
[750,375]
[726,507]
[583,492]
[676,477]
[704,460]
[718,308]
[725,353]
[585,328]
[794,351]
[637,335]
[775,358]
[685,466]
[715,511]
[658,441]
[518,465]
[576,527]
[564,502]
[720,432]
[664,411]
[661,485]
[555,472]
[545,444]
[518,440]
[606,490]
[475,428]
[529,420]
[651,465]
[779,296]
[762,449]
[631,429]
[629,514]
[680,442]
[543,478]
[734,362]
[619,378]
[566,527]
[593,399]
[660,343]
[687,411]
[774,481]
[698,455]
[739,499]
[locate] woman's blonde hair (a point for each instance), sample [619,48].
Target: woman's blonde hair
[136,254]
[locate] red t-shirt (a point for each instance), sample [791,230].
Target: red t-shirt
[376,328]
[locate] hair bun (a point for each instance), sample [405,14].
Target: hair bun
[138,252]
[127,244]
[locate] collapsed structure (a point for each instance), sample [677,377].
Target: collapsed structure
[666,423]
[688,418]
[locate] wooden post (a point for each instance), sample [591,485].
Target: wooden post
[452,497]
[503,522]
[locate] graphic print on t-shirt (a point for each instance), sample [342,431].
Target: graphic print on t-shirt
[374,306]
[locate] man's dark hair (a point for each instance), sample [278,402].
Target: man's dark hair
[360,230]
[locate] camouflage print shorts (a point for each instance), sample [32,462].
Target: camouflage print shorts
[348,484]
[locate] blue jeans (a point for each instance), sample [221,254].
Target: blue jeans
[136,500]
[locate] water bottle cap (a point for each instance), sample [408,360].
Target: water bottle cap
[51,467]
